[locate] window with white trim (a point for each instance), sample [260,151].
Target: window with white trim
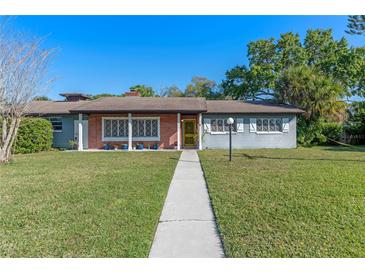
[145,128]
[269,125]
[221,126]
[56,123]
[115,128]
[118,128]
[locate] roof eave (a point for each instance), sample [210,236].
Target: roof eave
[255,112]
[47,113]
[135,111]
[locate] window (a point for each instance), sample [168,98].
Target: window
[115,128]
[56,123]
[269,125]
[221,126]
[141,128]
[145,128]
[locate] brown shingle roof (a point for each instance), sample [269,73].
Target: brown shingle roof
[156,104]
[143,104]
[233,106]
[51,107]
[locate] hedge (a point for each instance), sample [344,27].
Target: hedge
[332,132]
[34,135]
[318,132]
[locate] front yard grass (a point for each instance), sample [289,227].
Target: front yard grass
[101,204]
[305,202]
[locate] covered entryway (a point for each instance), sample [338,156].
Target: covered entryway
[189,133]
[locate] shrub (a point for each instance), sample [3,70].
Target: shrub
[34,135]
[309,132]
[332,132]
[318,132]
[72,144]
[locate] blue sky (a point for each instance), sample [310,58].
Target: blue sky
[108,54]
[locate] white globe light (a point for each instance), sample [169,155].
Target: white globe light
[230,121]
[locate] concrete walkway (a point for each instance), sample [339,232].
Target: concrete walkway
[187,228]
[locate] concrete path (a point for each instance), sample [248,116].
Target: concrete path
[187,228]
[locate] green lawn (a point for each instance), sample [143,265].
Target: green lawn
[102,204]
[305,202]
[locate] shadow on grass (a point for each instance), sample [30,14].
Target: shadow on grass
[253,157]
[350,149]
[174,158]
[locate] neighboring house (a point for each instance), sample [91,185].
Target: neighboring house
[167,122]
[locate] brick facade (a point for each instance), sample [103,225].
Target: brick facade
[168,130]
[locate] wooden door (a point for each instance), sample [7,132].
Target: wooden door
[189,128]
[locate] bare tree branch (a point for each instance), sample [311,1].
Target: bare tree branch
[23,70]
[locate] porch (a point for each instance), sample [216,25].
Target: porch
[141,131]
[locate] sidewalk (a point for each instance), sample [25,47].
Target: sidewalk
[187,228]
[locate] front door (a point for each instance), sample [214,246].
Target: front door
[189,131]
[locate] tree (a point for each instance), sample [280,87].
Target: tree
[268,58]
[97,96]
[145,91]
[356,71]
[201,87]
[241,83]
[305,87]
[198,87]
[330,56]
[172,91]
[356,25]
[356,121]
[320,97]
[41,98]
[23,66]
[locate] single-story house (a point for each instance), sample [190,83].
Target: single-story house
[167,122]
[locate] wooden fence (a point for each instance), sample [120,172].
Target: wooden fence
[358,139]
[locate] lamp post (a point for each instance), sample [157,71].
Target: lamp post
[230,122]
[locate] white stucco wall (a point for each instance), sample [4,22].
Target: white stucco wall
[249,139]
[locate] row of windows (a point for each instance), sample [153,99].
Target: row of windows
[150,127]
[263,125]
[140,128]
